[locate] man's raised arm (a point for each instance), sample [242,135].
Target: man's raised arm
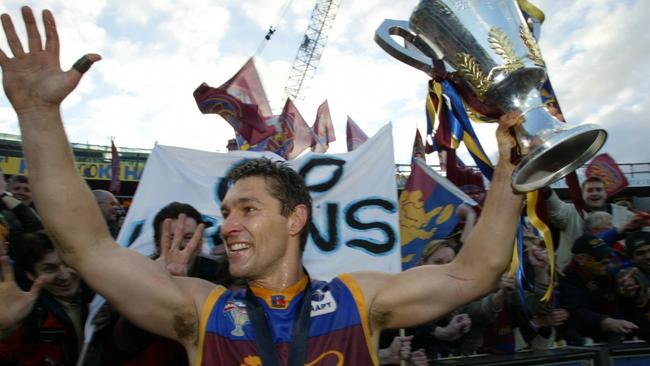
[424,293]
[35,85]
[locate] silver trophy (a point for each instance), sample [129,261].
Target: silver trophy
[489,44]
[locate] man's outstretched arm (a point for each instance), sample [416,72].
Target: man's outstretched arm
[427,292]
[35,85]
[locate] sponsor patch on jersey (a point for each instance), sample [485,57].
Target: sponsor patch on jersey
[322,302]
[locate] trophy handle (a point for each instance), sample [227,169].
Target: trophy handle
[409,55]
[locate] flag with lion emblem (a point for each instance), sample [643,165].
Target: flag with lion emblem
[427,210]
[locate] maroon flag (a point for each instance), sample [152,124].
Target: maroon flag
[295,130]
[115,170]
[292,135]
[355,136]
[241,101]
[604,167]
[323,129]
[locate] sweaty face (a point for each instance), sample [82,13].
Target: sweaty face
[255,233]
[22,192]
[443,255]
[593,193]
[641,258]
[64,281]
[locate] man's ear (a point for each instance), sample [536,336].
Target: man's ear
[297,219]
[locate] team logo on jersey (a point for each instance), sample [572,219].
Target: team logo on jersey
[322,302]
[236,310]
[278,302]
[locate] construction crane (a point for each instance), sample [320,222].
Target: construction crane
[312,46]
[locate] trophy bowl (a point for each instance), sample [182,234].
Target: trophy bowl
[490,46]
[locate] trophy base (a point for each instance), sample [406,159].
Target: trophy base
[558,156]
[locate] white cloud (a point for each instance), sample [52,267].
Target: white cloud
[157,51]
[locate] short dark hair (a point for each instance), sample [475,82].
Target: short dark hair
[171,211]
[592,179]
[17,179]
[31,248]
[284,184]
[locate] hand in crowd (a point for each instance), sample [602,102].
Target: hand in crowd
[620,326]
[399,349]
[638,221]
[459,325]
[15,304]
[556,318]
[419,358]
[34,80]
[506,283]
[626,282]
[175,254]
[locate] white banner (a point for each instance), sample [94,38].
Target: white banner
[355,225]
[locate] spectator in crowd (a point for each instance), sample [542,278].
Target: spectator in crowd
[178,257]
[45,325]
[267,210]
[600,224]
[110,208]
[18,214]
[588,292]
[566,218]
[634,283]
[459,332]
[18,185]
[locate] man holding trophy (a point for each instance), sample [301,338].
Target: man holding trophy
[270,259]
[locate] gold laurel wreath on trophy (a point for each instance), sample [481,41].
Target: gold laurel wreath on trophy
[470,68]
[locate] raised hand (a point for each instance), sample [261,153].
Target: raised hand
[34,80]
[15,304]
[174,252]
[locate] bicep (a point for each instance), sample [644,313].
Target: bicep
[417,295]
[140,290]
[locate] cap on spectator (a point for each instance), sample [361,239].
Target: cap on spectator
[592,245]
[636,240]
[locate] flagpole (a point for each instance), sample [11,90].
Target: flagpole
[402,333]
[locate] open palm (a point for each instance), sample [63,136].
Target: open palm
[34,79]
[15,303]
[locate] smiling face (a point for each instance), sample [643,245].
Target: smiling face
[259,241]
[64,281]
[21,192]
[594,195]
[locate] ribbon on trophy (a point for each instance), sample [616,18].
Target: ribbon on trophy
[448,123]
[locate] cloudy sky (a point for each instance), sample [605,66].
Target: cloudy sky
[156,52]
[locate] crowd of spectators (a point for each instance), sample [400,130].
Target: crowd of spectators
[601,294]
